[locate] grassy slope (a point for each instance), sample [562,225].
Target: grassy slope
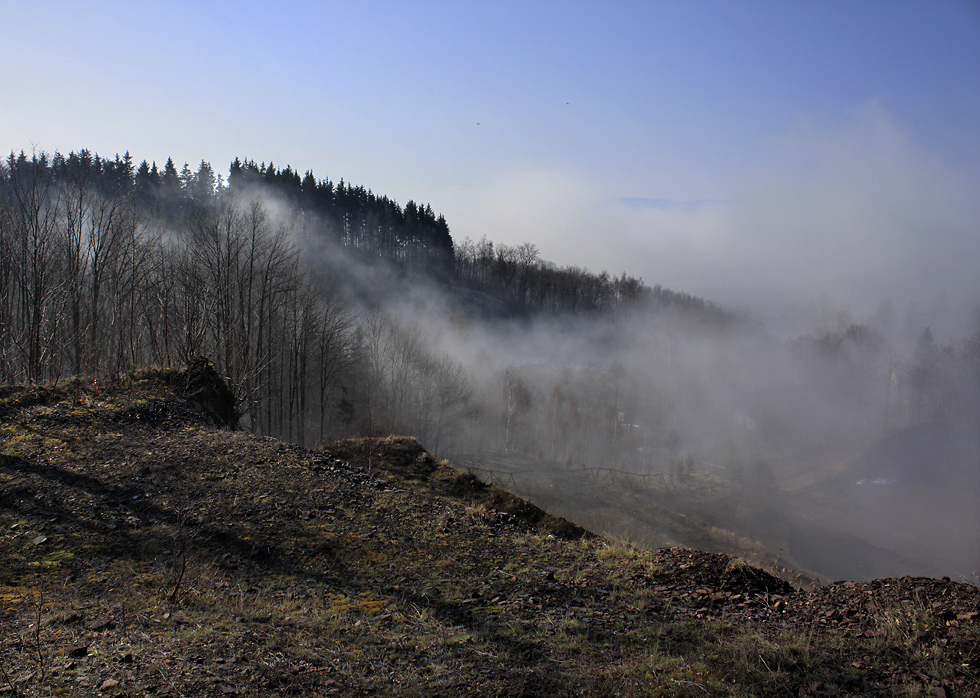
[145,552]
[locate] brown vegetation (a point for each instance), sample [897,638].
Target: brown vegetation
[147,552]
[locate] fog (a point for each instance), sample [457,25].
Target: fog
[780,433]
[853,211]
[772,440]
[817,428]
[835,438]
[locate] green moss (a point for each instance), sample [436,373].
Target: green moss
[58,557]
[18,442]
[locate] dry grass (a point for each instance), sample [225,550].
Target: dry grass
[295,577]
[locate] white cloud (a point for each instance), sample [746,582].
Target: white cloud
[535,205]
[853,213]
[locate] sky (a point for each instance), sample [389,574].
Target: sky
[757,153]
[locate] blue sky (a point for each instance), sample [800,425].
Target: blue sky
[844,135]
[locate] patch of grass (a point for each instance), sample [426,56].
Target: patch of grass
[57,557]
[736,564]
[20,441]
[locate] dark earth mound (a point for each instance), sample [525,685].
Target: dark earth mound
[404,458]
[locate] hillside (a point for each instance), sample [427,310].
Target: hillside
[146,551]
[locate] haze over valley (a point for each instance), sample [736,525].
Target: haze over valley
[849,450]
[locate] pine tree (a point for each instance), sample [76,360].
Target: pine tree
[204,184]
[236,174]
[146,182]
[186,179]
[170,181]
